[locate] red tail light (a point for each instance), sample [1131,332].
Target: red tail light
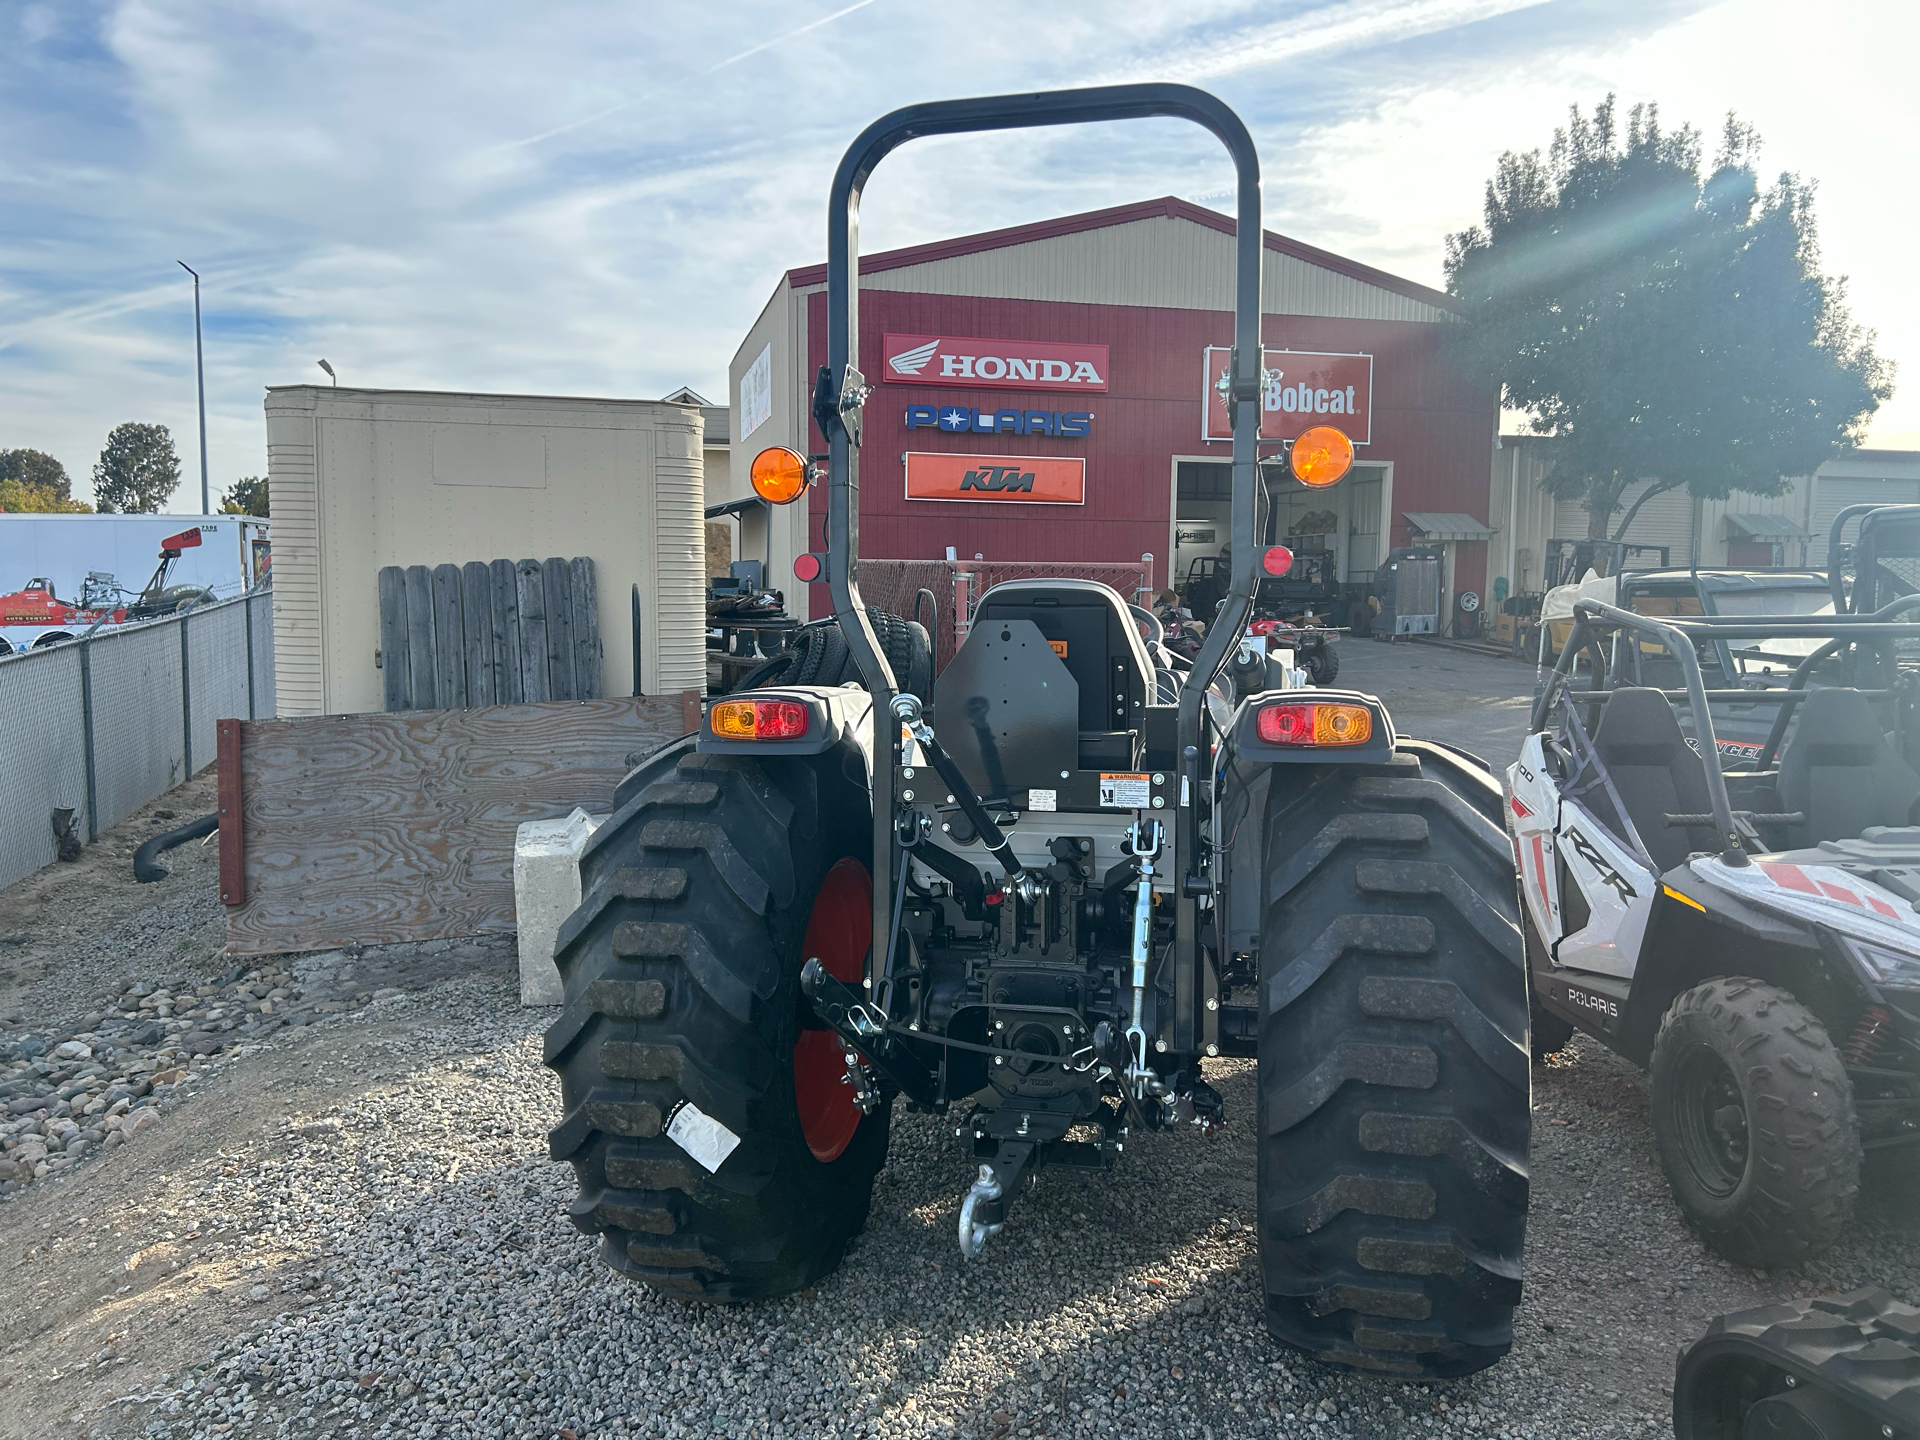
[759,720]
[1300,723]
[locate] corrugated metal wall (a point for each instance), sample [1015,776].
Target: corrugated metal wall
[1162,262]
[291,466]
[1434,427]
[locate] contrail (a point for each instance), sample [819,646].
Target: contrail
[628,104]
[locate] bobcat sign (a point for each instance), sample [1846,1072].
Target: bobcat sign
[1298,389]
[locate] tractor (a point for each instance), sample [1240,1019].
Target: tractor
[1038,893]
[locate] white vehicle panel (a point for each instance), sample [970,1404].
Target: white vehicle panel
[1618,889]
[1533,808]
[1822,894]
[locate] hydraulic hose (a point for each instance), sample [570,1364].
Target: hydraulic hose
[144,868]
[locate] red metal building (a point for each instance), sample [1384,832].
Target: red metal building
[1101,323]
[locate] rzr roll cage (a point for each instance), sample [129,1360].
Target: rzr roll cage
[1679,637]
[841,391]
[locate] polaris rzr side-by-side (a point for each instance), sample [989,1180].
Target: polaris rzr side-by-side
[1743,925]
[1037,894]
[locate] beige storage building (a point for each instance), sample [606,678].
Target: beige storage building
[363,479]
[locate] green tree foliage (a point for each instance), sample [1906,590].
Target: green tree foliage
[36,468]
[17,497]
[246,496]
[1656,325]
[137,471]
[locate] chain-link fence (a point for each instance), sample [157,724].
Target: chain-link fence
[95,728]
[957,585]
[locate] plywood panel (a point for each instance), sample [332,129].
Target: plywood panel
[383,828]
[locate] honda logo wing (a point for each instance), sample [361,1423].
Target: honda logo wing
[912,362]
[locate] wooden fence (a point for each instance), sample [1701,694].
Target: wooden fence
[488,633]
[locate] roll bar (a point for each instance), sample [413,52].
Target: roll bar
[841,391]
[1679,637]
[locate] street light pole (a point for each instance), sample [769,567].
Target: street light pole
[200,374]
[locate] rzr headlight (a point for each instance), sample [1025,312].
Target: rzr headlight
[1890,967]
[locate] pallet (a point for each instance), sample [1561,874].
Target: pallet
[375,829]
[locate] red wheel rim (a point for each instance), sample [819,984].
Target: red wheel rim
[838,932]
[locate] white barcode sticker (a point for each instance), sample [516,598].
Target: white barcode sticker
[702,1136]
[1043,799]
[1126,792]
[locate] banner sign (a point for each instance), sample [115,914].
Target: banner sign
[999,364]
[1298,389]
[1001,479]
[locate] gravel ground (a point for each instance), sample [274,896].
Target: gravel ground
[351,1228]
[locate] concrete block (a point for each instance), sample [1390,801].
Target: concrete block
[546,890]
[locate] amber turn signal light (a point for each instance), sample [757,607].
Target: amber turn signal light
[1293,723]
[779,475]
[759,720]
[1319,458]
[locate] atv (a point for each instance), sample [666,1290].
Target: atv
[1036,894]
[1742,925]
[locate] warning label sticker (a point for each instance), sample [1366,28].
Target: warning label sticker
[1126,792]
[1043,799]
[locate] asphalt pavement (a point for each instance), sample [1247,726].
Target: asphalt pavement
[1438,692]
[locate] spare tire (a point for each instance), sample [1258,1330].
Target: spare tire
[818,654]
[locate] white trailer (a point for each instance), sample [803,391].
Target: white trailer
[232,557]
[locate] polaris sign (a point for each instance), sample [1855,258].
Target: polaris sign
[967,420]
[999,364]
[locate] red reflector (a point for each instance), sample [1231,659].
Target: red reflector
[806,567]
[1277,560]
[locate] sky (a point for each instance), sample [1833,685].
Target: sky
[592,198]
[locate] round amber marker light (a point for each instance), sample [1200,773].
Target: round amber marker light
[1320,456]
[779,475]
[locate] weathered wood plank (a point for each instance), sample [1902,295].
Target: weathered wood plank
[233,873]
[396,691]
[386,828]
[476,614]
[449,639]
[557,581]
[506,635]
[531,591]
[586,629]
[424,691]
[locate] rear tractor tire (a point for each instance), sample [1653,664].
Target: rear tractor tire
[1394,1106]
[719,1156]
[1753,1117]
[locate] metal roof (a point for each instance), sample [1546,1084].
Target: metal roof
[1767,527]
[1166,205]
[1451,525]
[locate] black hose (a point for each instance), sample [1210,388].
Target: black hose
[144,868]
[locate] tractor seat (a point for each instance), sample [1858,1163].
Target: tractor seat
[1094,634]
[1840,770]
[1656,773]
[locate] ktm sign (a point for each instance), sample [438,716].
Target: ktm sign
[1028,479]
[1000,364]
[1298,389]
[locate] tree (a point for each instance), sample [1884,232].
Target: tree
[247,496]
[137,471]
[37,468]
[19,498]
[1657,326]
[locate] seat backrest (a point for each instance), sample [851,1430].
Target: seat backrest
[1839,769]
[1656,772]
[1092,631]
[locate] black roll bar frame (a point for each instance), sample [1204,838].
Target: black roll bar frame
[1679,637]
[841,391]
